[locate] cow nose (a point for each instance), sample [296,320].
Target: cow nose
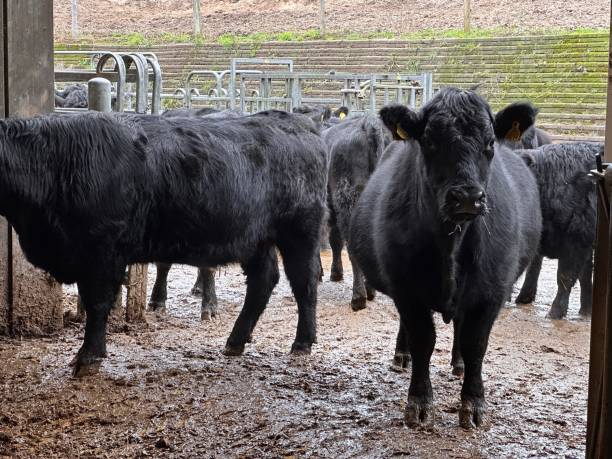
[467,202]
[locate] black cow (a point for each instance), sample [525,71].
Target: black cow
[569,216]
[92,193]
[446,226]
[323,114]
[355,146]
[515,127]
[72,96]
[204,285]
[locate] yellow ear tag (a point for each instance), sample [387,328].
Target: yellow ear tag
[514,133]
[342,115]
[401,133]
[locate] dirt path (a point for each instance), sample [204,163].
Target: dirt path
[167,391]
[102,18]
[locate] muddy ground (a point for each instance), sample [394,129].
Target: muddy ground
[167,391]
[102,18]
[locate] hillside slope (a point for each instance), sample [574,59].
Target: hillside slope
[99,18]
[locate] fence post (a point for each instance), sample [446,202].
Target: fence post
[322,18]
[99,94]
[467,13]
[75,22]
[197,29]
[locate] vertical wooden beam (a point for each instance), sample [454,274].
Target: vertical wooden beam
[74,11]
[197,24]
[599,416]
[136,293]
[467,15]
[34,299]
[322,18]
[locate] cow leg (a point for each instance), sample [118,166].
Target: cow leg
[586,286]
[262,276]
[301,268]
[358,301]
[159,294]
[475,328]
[456,359]
[198,285]
[421,333]
[98,294]
[336,244]
[401,359]
[370,291]
[209,295]
[530,284]
[568,271]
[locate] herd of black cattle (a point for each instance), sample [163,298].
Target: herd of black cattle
[441,209]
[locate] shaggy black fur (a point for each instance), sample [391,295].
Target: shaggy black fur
[92,193]
[72,96]
[204,285]
[355,146]
[448,226]
[569,216]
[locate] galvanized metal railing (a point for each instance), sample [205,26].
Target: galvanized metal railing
[253,90]
[123,70]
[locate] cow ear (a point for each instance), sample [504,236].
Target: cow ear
[512,121]
[341,112]
[325,114]
[403,123]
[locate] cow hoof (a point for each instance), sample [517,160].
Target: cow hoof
[81,370]
[585,313]
[524,299]
[196,291]
[233,350]
[208,314]
[301,349]
[555,314]
[157,306]
[357,304]
[419,411]
[473,413]
[401,361]
[370,293]
[458,369]
[336,276]
[86,363]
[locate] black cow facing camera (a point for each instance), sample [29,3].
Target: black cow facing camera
[446,225]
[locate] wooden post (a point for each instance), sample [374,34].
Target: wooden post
[599,416]
[75,21]
[136,293]
[31,301]
[197,27]
[322,18]
[467,15]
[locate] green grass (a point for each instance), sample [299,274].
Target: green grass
[229,40]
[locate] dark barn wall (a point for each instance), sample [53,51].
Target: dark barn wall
[30,302]
[599,418]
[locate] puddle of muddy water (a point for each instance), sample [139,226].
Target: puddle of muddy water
[167,391]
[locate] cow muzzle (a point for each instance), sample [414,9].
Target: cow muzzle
[466,204]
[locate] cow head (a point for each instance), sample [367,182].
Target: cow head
[514,125]
[455,135]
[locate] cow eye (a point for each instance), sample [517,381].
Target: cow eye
[490,149]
